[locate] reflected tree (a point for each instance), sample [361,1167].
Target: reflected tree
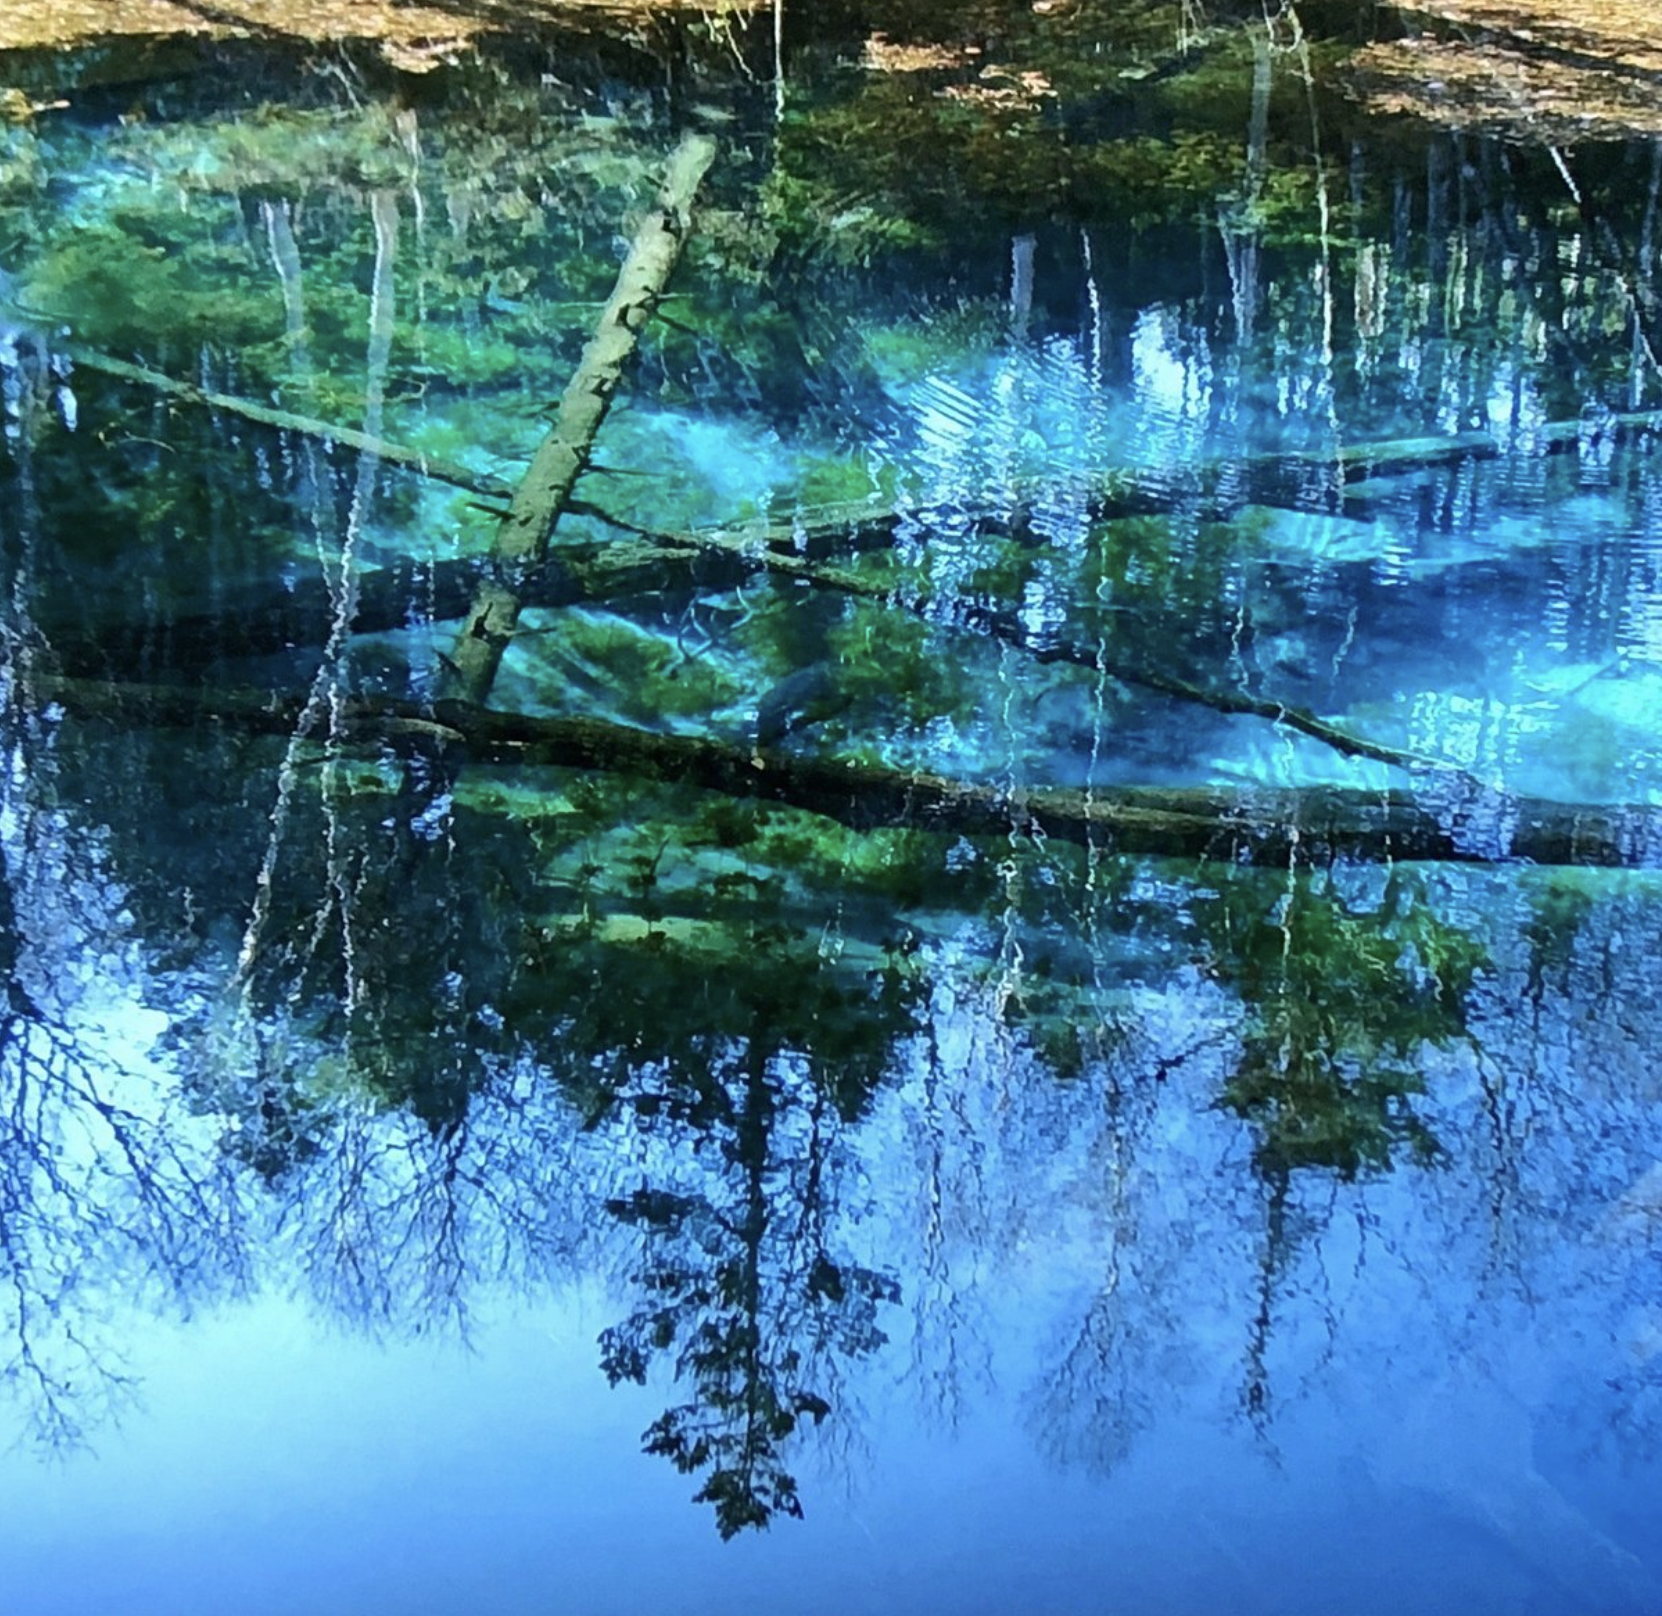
[744,1299]
[1339,1000]
[747,1294]
[457,1010]
[1341,994]
[108,1193]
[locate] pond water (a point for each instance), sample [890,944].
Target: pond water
[1043,998]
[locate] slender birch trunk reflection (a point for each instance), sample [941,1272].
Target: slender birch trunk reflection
[324,709]
[1240,220]
[285,257]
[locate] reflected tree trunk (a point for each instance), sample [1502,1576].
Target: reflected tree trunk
[1239,223]
[1022,251]
[285,257]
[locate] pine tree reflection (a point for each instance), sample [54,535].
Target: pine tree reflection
[1339,999]
[441,1081]
[742,1295]
[521,1037]
[736,1115]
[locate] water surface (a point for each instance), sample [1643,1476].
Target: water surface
[1101,1058]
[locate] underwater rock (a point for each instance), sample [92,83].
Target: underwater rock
[800,700]
[1310,536]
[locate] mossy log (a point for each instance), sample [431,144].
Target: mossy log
[1452,821]
[545,490]
[1220,486]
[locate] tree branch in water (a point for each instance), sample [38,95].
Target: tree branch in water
[545,490]
[1453,820]
[488,488]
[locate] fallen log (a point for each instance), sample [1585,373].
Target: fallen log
[653,562]
[273,621]
[1221,485]
[545,490]
[1451,821]
[1005,627]
[298,614]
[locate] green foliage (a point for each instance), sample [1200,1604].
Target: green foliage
[893,669]
[1102,111]
[24,170]
[461,358]
[951,337]
[1560,907]
[1149,181]
[590,661]
[889,168]
[1339,1000]
[120,287]
[833,226]
[841,480]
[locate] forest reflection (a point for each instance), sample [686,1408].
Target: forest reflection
[347,1013]
[788,1136]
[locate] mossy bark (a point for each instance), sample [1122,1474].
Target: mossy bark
[545,490]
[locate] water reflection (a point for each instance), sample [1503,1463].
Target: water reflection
[1320,1150]
[111,1194]
[1280,1139]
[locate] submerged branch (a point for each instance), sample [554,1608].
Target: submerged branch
[712,559]
[543,494]
[1456,821]
[1004,627]
[297,616]
[435,466]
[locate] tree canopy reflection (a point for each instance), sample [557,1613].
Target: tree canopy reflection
[810,1097]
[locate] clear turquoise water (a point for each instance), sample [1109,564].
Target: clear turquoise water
[420,1178]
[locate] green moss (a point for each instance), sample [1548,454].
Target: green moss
[638,676]
[118,290]
[840,480]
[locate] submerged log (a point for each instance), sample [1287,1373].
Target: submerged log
[545,490]
[296,617]
[486,487]
[299,613]
[1448,822]
[1221,485]
[656,562]
[1005,627]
